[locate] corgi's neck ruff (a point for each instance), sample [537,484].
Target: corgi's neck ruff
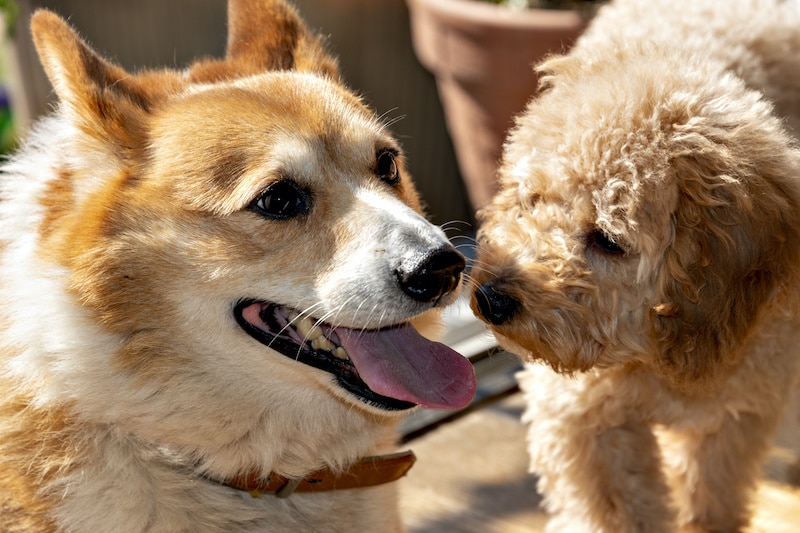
[368,472]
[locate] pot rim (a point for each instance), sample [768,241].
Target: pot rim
[486,14]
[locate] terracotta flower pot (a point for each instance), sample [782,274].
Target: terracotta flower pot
[482,57]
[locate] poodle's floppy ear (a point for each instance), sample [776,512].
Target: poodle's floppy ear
[735,247]
[270,35]
[103,100]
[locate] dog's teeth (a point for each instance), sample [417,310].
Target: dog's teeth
[321,343]
[315,336]
[306,327]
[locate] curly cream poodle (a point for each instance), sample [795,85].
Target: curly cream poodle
[645,244]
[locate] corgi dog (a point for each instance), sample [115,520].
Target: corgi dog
[208,279]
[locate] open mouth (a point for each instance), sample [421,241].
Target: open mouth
[392,368]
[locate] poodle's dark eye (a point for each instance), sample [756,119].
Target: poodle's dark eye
[605,243]
[281,200]
[386,166]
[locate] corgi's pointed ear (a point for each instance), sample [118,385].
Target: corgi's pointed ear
[102,98]
[270,35]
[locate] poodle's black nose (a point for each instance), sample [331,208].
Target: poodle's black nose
[430,276]
[495,306]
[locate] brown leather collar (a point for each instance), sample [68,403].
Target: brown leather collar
[367,472]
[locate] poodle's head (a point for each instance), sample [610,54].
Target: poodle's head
[648,212]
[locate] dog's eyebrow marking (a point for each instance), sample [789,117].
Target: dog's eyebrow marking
[226,169]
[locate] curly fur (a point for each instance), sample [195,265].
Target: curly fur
[648,227]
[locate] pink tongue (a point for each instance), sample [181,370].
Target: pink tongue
[402,364]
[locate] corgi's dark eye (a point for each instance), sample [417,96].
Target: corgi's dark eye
[604,243]
[386,167]
[281,200]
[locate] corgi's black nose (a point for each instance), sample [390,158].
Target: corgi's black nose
[495,306]
[428,277]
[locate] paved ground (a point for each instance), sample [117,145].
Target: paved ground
[471,477]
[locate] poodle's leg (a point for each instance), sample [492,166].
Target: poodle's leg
[714,473]
[598,466]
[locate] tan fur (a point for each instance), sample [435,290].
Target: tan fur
[130,231]
[668,132]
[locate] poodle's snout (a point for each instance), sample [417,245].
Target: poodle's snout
[433,275]
[495,306]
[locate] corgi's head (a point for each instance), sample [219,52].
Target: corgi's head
[246,236]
